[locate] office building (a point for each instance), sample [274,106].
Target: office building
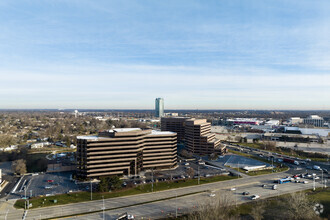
[159,107]
[199,139]
[125,151]
[174,124]
[315,120]
[195,133]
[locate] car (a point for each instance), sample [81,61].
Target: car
[325,170]
[274,187]
[308,160]
[212,195]
[316,178]
[315,167]
[246,193]
[233,189]
[264,185]
[186,164]
[305,182]
[254,197]
[50,181]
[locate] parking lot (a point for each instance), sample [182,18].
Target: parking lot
[46,184]
[185,169]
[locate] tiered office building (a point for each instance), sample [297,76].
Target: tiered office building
[195,133]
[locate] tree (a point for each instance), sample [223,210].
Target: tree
[109,183]
[186,154]
[114,182]
[298,206]
[19,166]
[257,211]
[103,185]
[219,207]
[190,172]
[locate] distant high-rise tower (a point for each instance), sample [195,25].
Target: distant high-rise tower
[159,107]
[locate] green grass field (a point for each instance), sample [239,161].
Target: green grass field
[85,196]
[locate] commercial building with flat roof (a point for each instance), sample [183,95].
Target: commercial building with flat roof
[125,151]
[195,133]
[199,139]
[174,124]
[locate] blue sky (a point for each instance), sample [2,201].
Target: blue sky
[195,54]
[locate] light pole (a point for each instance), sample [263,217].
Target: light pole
[152,180]
[6,214]
[91,190]
[103,208]
[176,204]
[313,183]
[322,177]
[198,175]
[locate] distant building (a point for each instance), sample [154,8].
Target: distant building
[243,121]
[315,120]
[159,107]
[296,120]
[125,151]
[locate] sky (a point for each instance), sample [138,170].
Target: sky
[256,54]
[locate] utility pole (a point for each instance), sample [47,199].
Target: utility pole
[152,180]
[313,183]
[6,214]
[103,208]
[198,175]
[91,190]
[176,204]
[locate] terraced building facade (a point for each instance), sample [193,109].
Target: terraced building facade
[125,151]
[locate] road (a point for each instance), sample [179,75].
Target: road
[186,204]
[117,203]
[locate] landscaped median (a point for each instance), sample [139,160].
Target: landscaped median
[62,199]
[259,172]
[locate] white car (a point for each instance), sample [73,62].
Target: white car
[233,189]
[254,197]
[186,164]
[305,182]
[212,195]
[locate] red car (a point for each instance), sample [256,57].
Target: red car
[50,181]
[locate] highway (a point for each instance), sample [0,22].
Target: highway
[118,203]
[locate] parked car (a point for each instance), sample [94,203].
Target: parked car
[274,187]
[246,193]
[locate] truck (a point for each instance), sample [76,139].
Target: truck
[288,160]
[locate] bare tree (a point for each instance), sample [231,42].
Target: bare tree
[191,172]
[257,211]
[19,166]
[219,207]
[298,206]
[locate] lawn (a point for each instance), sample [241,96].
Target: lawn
[85,196]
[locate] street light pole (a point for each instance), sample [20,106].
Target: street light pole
[91,190]
[103,208]
[313,183]
[152,180]
[198,175]
[176,204]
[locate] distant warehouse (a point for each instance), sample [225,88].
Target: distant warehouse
[125,151]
